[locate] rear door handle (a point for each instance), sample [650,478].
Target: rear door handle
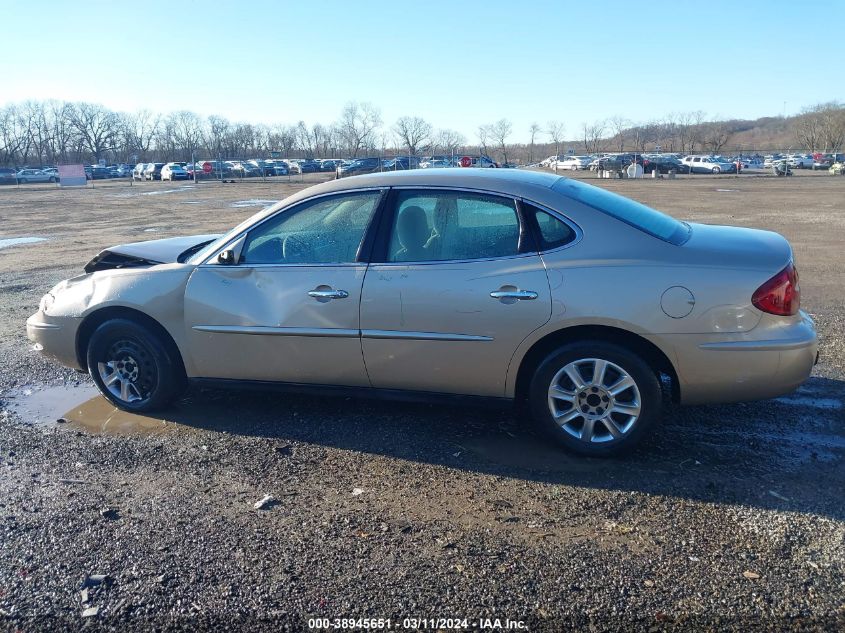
[519,295]
[329,293]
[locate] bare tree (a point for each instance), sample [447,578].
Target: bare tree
[689,130]
[500,131]
[592,134]
[556,130]
[533,131]
[483,134]
[218,130]
[186,128]
[831,117]
[12,134]
[358,125]
[808,131]
[62,130]
[717,136]
[450,141]
[140,131]
[619,125]
[97,127]
[413,133]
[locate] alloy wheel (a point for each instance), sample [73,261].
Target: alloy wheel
[594,400]
[128,371]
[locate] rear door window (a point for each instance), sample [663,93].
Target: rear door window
[446,225]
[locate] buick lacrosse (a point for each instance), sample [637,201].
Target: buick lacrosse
[504,284]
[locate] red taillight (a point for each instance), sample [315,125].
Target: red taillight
[780,295]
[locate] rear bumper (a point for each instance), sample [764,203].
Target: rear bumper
[55,337]
[712,369]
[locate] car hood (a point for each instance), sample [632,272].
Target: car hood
[149,253]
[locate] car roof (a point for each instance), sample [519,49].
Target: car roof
[506,181]
[510,181]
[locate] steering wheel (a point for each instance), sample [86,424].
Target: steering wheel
[295,250]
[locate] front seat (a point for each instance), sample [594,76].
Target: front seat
[413,232]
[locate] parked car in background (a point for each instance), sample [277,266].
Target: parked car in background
[401,162]
[800,161]
[123,171]
[138,171]
[152,171]
[458,292]
[309,166]
[547,162]
[708,165]
[442,160]
[436,162]
[52,171]
[292,165]
[615,162]
[663,165]
[34,175]
[360,166]
[481,161]
[279,167]
[244,169]
[174,171]
[8,176]
[748,162]
[571,163]
[98,173]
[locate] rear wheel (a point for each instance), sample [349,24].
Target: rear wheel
[716,170]
[595,398]
[132,367]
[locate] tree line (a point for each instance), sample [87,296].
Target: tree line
[36,133]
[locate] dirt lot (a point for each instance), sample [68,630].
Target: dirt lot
[728,517]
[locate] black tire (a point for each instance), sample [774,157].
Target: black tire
[717,170]
[644,377]
[158,374]
[52,179]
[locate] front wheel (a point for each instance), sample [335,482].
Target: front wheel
[132,367]
[717,170]
[595,398]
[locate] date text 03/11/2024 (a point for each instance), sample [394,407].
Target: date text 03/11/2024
[375,624]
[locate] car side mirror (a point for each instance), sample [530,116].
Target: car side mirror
[226,257]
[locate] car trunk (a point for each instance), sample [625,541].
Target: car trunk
[737,247]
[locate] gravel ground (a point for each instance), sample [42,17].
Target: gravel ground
[728,517]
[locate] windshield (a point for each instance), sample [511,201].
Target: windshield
[629,211]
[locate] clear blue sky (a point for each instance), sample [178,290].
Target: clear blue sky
[456,64]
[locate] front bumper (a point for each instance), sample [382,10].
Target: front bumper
[55,337]
[719,369]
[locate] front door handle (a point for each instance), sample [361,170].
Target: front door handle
[518,295]
[325,293]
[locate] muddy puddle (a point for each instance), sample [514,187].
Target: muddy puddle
[18,241]
[242,204]
[80,407]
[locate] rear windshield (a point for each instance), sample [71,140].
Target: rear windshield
[629,211]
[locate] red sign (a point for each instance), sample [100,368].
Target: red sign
[206,167]
[466,161]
